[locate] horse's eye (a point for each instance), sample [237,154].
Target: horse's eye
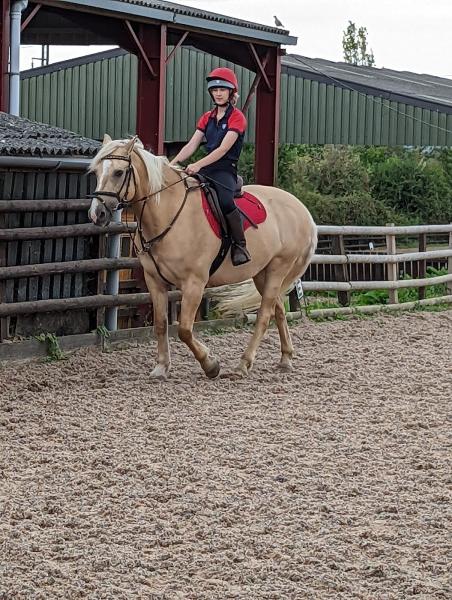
[118,173]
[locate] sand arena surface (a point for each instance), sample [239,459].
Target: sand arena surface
[329,482]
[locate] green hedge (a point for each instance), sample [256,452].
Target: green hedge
[365,185]
[359,185]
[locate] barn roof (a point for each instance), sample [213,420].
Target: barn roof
[427,88]
[22,137]
[179,15]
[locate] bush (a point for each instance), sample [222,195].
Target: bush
[414,185]
[337,171]
[357,209]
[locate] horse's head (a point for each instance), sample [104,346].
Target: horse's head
[116,179]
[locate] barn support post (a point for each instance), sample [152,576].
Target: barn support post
[4,53]
[267,121]
[151,88]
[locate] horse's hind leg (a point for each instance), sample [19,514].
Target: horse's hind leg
[281,323]
[191,297]
[284,336]
[270,292]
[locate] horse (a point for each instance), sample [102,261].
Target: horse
[176,245]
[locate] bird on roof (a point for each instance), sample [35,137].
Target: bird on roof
[277,21]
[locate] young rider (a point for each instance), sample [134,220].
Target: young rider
[223,129]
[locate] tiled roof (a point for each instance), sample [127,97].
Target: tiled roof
[19,136]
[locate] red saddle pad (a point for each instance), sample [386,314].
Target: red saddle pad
[248,204]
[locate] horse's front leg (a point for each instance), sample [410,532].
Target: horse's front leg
[159,298]
[191,297]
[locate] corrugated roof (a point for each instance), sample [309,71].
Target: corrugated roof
[428,88]
[181,15]
[203,14]
[22,137]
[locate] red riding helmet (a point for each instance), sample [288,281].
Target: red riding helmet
[222,77]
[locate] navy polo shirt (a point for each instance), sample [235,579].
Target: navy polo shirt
[215,131]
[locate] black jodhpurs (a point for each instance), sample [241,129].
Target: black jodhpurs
[224,181]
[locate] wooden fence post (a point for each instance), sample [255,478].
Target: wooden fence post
[391,248]
[422,264]
[449,264]
[340,271]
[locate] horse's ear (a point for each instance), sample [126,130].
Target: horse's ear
[106,139]
[130,144]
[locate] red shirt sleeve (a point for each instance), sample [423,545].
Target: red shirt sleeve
[237,121]
[202,123]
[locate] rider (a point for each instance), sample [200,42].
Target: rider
[223,128]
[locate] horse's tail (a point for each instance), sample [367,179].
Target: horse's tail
[241,298]
[236,298]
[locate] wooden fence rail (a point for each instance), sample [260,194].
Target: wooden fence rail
[105,264]
[62,231]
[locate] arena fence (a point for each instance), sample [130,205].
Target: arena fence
[384,257]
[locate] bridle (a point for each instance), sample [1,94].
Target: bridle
[124,202]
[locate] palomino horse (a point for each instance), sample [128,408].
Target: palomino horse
[176,244]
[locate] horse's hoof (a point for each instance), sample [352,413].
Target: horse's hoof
[160,372]
[241,370]
[212,369]
[285,365]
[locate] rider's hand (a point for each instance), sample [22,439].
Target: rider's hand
[192,169]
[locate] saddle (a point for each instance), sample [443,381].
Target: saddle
[252,210]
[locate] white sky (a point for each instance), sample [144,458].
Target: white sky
[410,35]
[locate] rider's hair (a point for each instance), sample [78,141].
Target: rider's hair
[234,97]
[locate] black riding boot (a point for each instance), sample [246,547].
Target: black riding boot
[239,253]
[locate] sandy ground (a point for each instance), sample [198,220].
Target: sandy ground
[330,482]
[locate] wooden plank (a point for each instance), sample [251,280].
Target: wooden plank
[4,323]
[13,221]
[138,299]
[25,246]
[58,244]
[36,246]
[63,231]
[379,230]
[50,217]
[69,246]
[44,205]
[82,244]
[75,266]
[101,279]
[5,191]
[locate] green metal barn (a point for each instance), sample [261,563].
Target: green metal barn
[321,102]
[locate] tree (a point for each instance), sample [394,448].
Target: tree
[354,43]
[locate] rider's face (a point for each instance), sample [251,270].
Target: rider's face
[220,95]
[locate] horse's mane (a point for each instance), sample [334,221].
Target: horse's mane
[154,164]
